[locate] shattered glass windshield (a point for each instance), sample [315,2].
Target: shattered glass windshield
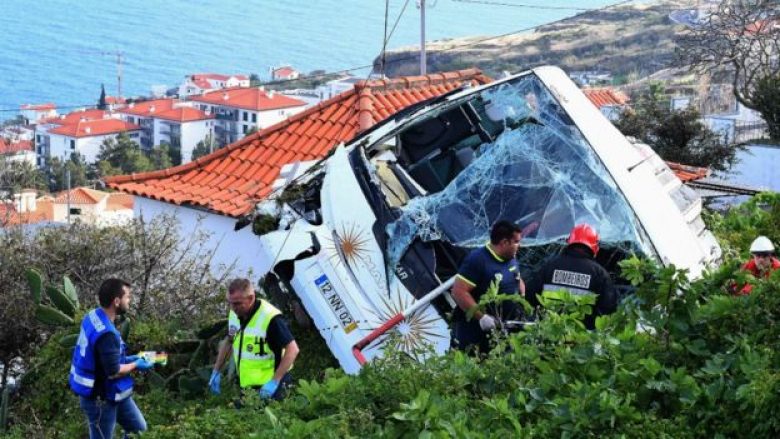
[536,169]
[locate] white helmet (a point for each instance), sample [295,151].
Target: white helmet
[761,244]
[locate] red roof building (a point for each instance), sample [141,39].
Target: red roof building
[97,127]
[148,108]
[9,147]
[231,180]
[39,107]
[602,97]
[252,98]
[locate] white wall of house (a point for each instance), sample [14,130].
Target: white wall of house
[21,157]
[192,133]
[89,146]
[267,118]
[240,250]
[88,213]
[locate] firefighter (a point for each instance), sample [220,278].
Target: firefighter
[263,346]
[762,262]
[576,270]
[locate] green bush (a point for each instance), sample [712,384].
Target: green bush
[679,359]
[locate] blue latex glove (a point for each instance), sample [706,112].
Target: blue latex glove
[268,389]
[131,359]
[143,364]
[214,382]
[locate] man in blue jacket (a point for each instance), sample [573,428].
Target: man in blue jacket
[491,269]
[100,369]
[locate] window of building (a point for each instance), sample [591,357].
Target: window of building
[72,144]
[281,112]
[246,116]
[246,128]
[254,117]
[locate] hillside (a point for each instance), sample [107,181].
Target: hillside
[625,40]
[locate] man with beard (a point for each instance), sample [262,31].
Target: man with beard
[491,270]
[100,369]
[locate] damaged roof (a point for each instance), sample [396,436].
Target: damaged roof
[231,180]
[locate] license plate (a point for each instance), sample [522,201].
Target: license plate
[336,304]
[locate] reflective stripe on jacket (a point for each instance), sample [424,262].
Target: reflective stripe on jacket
[252,355]
[83,367]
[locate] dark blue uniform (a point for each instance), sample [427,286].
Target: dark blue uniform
[486,272]
[575,271]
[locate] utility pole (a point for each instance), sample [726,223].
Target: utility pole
[423,62]
[67,185]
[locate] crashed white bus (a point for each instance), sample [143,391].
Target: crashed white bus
[363,235]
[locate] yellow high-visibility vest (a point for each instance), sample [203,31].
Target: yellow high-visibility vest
[252,355]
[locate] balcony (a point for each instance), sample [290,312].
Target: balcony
[230,116]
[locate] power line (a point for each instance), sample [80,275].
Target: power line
[522,5]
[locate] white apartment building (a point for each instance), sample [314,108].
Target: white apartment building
[86,137]
[239,110]
[169,121]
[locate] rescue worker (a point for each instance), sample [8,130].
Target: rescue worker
[489,269]
[100,369]
[762,262]
[577,271]
[263,346]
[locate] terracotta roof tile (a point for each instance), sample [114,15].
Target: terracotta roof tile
[602,97]
[256,160]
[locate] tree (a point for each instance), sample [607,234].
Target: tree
[101,105]
[15,176]
[160,156]
[677,136]
[204,147]
[121,155]
[174,150]
[80,173]
[741,37]
[254,80]
[767,100]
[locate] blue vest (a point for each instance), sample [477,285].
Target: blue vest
[82,368]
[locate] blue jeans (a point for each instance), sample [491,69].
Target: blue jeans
[103,416]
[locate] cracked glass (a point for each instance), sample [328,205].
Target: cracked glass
[531,166]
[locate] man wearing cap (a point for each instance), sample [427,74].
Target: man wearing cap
[576,271]
[762,262]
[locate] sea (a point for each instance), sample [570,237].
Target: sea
[62,51]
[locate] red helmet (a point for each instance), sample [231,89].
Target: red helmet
[585,235]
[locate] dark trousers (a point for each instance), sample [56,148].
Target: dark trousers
[468,336]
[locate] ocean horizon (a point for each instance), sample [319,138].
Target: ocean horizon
[61,52]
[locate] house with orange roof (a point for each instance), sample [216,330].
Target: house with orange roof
[81,204]
[199,83]
[49,145]
[170,121]
[284,73]
[213,191]
[17,151]
[243,109]
[610,101]
[85,137]
[33,113]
